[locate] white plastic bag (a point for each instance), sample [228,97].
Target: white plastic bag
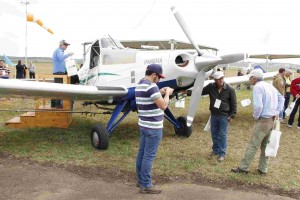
[207,126]
[245,102]
[289,109]
[273,144]
[180,103]
[71,67]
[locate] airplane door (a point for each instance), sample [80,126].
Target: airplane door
[94,64]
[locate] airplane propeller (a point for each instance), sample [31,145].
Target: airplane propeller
[185,28]
[203,63]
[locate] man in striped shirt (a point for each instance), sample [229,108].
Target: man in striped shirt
[150,105]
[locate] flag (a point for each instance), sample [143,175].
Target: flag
[30,18]
[7,60]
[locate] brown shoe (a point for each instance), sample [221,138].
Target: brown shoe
[261,172]
[221,158]
[150,190]
[238,170]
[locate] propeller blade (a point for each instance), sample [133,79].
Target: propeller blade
[195,98]
[185,28]
[207,62]
[231,58]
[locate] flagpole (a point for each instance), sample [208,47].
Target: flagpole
[26,3]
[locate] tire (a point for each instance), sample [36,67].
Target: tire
[99,137]
[184,131]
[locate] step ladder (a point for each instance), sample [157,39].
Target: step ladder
[44,115]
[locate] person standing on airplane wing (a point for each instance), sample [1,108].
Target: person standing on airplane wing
[223,106]
[150,105]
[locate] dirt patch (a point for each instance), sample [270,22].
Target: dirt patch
[113,176]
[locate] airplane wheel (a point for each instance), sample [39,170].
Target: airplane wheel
[184,131]
[99,137]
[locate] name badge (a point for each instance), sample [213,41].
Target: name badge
[217,103]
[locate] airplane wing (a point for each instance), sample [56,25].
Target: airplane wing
[162,44]
[245,78]
[274,56]
[17,88]
[242,79]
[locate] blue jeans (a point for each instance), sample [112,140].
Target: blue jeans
[219,132]
[149,142]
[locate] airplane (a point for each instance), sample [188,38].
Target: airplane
[271,56]
[111,72]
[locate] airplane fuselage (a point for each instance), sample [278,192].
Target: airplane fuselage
[125,67]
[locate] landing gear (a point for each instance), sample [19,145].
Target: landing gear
[99,137]
[184,130]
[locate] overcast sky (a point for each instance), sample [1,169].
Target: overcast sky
[229,25]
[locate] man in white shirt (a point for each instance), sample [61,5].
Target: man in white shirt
[267,103]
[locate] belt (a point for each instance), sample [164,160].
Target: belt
[59,73]
[264,118]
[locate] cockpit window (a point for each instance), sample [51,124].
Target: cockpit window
[106,43]
[109,42]
[95,55]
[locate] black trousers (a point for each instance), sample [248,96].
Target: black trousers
[293,113]
[58,103]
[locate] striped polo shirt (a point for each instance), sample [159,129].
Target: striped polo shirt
[150,116]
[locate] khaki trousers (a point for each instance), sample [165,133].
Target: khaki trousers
[260,136]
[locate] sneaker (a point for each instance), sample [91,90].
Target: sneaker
[298,127]
[261,172]
[221,158]
[238,170]
[149,190]
[290,126]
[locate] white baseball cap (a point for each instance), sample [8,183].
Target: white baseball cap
[218,74]
[288,70]
[258,73]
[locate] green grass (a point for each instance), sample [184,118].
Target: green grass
[186,157]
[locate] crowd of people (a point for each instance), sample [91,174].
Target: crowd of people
[20,68]
[269,103]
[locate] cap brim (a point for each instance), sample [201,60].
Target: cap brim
[218,77]
[161,76]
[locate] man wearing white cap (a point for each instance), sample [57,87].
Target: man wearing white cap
[267,103]
[223,109]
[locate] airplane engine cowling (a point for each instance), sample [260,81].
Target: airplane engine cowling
[184,71]
[182,60]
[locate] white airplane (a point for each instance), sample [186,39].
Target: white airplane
[111,73]
[271,56]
